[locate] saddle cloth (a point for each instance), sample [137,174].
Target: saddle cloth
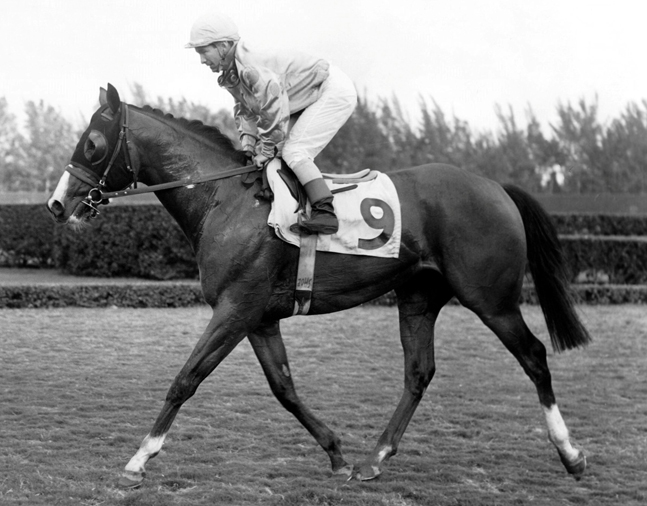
[369,215]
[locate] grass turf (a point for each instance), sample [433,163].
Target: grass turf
[79,389]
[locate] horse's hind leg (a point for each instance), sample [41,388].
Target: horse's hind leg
[531,354]
[419,304]
[268,346]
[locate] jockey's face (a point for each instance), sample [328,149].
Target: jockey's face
[212,55]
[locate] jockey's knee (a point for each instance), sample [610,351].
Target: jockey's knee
[305,170]
[301,163]
[293,153]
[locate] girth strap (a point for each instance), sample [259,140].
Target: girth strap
[305,274]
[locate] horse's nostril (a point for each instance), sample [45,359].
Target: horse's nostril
[55,207]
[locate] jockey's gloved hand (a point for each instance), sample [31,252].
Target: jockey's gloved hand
[261,160]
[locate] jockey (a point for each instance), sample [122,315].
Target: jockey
[268,90]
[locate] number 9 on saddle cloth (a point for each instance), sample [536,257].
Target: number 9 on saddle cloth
[366,204]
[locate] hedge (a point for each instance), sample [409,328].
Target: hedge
[26,236]
[131,241]
[600,224]
[177,294]
[183,294]
[143,241]
[606,259]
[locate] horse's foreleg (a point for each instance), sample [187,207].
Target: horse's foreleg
[418,314]
[219,339]
[268,346]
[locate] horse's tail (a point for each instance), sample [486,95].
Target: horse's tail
[549,273]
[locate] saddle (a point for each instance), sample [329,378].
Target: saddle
[369,219]
[296,188]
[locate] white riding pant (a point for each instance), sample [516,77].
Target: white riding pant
[318,124]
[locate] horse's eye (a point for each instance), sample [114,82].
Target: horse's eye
[96,147]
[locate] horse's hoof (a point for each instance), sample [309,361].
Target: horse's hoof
[346,472]
[368,472]
[576,467]
[130,479]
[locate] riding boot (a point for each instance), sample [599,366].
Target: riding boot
[323,219]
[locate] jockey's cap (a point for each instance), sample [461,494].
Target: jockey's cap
[212,27]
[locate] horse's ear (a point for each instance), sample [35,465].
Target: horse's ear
[112,95]
[103,97]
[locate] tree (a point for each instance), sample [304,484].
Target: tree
[625,145]
[590,156]
[51,141]
[444,141]
[520,166]
[396,127]
[580,135]
[12,155]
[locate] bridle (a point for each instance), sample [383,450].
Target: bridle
[96,196]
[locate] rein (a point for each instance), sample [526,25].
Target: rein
[96,196]
[176,184]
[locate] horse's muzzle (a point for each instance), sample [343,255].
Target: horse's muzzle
[57,210]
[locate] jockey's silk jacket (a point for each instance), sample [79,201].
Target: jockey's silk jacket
[267,90]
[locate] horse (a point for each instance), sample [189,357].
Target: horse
[463,236]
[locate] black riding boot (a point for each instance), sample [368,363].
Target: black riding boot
[323,219]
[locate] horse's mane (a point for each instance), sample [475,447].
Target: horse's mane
[208,133]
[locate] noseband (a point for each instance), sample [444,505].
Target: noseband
[96,196]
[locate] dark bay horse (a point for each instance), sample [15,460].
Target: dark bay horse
[463,236]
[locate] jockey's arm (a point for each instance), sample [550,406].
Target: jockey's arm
[272,106]
[246,125]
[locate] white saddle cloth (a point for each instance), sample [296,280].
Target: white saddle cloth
[369,216]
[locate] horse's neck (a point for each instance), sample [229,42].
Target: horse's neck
[168,157]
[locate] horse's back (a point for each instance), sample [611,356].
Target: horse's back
[440,194]
[447,182]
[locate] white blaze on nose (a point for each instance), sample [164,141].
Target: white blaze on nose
[61,189]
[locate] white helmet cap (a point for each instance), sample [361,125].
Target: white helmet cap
[212,27]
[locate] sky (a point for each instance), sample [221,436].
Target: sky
[467,56]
